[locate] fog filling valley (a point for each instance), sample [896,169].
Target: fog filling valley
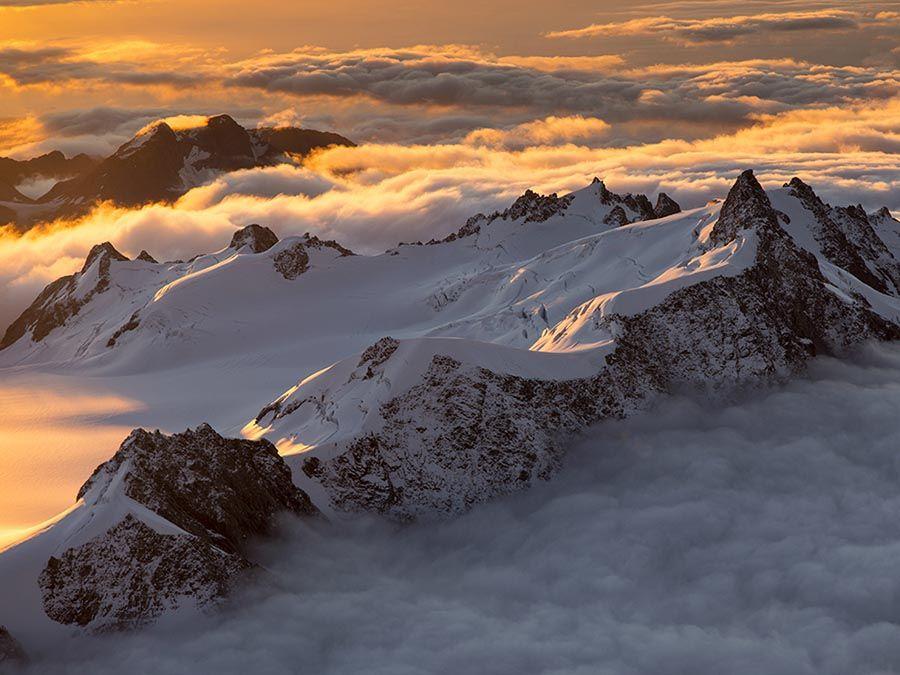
[758,538]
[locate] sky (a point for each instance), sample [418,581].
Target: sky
[456,108]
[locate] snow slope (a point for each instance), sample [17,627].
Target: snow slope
[505,338]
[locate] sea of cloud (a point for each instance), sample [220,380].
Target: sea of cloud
[758,538]
[373,196]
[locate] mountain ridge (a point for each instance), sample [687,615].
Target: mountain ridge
[158,165]
[431,377]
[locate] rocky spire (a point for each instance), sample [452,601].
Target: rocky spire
[884,213]
[105,249]
[257,237]
[603,193]
[665,206]
[146,257]
[747,206]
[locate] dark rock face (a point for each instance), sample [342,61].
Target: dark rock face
[106,251]
[57,303]
[377,354]
[132,324]
[616,218]
[746,207]
[860,233]
[531,207]
[299,141]
[11,651]
[535,208]
[129,576]
[210,494]
[146,257]
[665,206]
[53,164]
[847,239]
[638,204]
[222,490]
[257,237]
[641,205]
[294,261]
[464,434]
[162,164]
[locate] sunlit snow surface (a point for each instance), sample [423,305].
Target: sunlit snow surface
[760,538]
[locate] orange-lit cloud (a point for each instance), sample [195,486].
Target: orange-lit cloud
[551,130]
[375,195]
[729,28]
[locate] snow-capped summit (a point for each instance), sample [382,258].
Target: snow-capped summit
[163,526]
[423,428]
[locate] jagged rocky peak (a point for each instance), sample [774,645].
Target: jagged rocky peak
[202,498]
[847,239]
[603,193]
[11,652]
[222,135]
[666,206]
[638,204]
[104,250]
[534,207]
[219,489]
[61,299]
[145,257]
[616,217]
[293,261]
[257,237]
[747,206]
[884,213]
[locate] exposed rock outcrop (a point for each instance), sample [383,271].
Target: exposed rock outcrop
[130,575]
[257,237]
[160,164]
[59,301]
[665,206]
[464,434]
[201,499]
[294,260]
[847,239]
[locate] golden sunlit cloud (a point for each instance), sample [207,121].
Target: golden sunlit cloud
[690,31]
[373,196]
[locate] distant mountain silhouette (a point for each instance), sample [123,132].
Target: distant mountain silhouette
[158,165]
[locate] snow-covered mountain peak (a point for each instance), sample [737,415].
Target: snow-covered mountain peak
[747,206]
[105,250]
[163,526]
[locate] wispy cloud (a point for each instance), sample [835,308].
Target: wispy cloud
[726,28]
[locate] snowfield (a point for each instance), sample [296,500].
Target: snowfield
[428,380]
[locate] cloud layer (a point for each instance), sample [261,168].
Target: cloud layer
[723,29]
[373,196]
[692,540]
[422,94]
